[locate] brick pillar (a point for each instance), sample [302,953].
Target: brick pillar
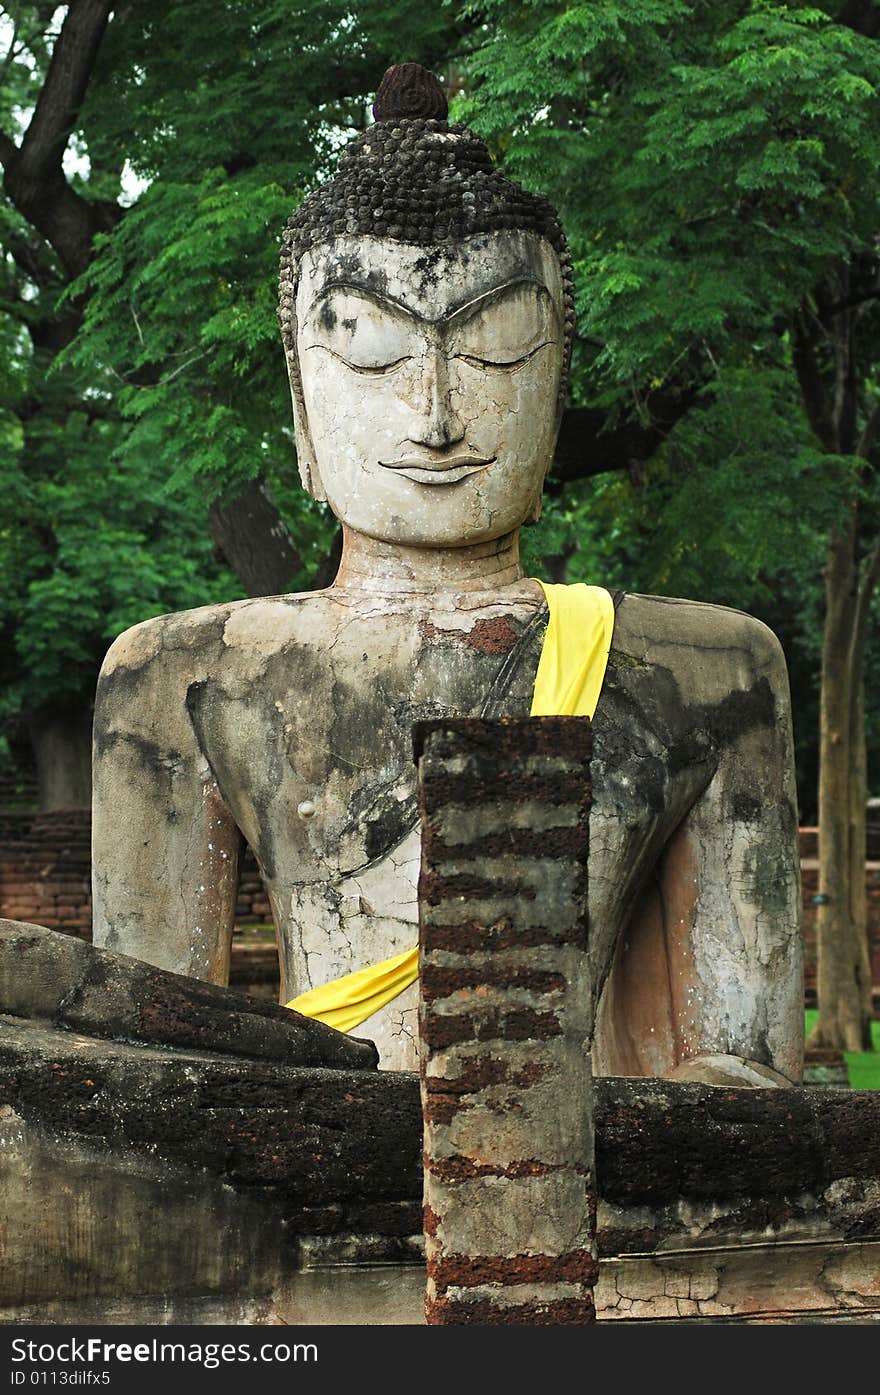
[506,1020]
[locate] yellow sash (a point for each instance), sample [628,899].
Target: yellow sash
[570,675]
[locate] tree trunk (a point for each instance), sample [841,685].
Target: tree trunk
[62,744]
[858,854]
[255,541]
[842,1022]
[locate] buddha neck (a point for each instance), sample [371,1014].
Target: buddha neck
[384,568]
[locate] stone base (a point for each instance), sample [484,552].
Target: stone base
[782,1281]
[767,1284]
[375,1295]
[825,1070]
[167,1186]
[142,1185]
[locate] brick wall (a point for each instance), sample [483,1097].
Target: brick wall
[45,873]
[810,887]
[45,869]
[505,1014]
[18,789]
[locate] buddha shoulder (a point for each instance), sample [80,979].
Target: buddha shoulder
[710,646]
[234,639]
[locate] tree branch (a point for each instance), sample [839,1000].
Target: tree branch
[11,52]
[241,528]
[871,571]
[813,392]
[27,259]
[853,303]
[869,433]
[34,176]
[8,149]
[61,96]
[862,16]
[867,581]
[845,390]
[586,448]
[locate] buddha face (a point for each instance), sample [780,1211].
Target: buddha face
[430,378]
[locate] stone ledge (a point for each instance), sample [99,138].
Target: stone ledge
[53,978]
[120,1159]
[313,1135]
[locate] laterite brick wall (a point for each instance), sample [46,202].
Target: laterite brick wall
[45,873]
[505,1019]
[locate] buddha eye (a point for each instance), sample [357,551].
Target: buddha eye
[379,368]
[366,337]
[511,364]
[367,369]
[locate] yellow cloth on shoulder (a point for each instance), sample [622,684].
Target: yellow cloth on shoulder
[574,655]
[570,675]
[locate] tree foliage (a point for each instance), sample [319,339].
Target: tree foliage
[192,134]
[231,124]
[717,168]
[91,541]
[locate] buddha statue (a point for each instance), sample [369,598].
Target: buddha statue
[427,318]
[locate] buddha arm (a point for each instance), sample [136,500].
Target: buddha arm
[733,937]
[165,847]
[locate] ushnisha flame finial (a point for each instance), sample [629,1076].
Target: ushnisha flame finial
[409,91]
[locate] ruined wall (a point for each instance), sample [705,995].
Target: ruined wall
[139,1182]
[45,873]
[45,869]
[810,887]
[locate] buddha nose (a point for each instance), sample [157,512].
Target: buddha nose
[439,424]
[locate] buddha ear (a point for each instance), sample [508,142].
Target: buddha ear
[305,450]
[537,504]
[534,512]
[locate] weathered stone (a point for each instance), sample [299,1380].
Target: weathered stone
[506,1081]
[660,1141]
[313,1135]
[158,1180]
[779,1282]
[142,1184]
[52,977]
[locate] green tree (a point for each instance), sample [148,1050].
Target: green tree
[91,550]
[151,156]
[715,165]
[89,542]
[189,130]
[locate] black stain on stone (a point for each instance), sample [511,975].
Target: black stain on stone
[154,761]
[740,712]
[209,709]
[746,809]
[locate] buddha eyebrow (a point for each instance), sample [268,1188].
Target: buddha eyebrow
[472,307]
[380,298]
[461,312]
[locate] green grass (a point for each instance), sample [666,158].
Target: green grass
[863,1067]
[256,931]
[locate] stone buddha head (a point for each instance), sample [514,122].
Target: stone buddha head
[427,317]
